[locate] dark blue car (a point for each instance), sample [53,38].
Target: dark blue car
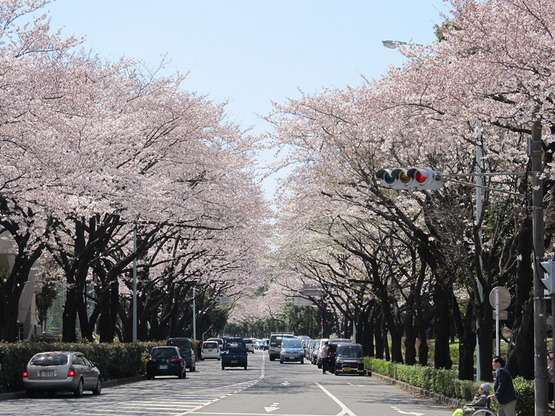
[165,361]
[234,353]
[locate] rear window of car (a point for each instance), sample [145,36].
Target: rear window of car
[235,345]
[180,343]
[291,343]
[47,359]
[211,344]
[163,352]
[351,351]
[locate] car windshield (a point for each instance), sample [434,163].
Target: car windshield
[163,352]
[291,343]
[351,351]
[210,345]
[49,359]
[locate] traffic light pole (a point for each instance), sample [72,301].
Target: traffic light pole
[540,333]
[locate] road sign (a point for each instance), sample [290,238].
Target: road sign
[499,297]
[300,301]
[503,315]
[312,290]
[222,299]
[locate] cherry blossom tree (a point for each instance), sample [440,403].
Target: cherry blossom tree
[487,68]
[93,148]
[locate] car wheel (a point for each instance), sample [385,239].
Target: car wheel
[223,368]
[181,374]
[31,393]
[281,361]
[193,368]
[98,389]
[245,367]
[78,392]
[302,361]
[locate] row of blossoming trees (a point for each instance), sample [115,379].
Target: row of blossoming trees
[399,263]
[103,164]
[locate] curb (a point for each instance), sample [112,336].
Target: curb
[105,384]
[443,400]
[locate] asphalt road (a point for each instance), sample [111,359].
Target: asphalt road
[266,388]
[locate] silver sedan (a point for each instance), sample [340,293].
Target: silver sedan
[61,371]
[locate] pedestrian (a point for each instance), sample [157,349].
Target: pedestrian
[504,390]
[481,396]
[480,400]
[324,354]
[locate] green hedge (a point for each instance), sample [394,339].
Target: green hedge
[114,360]
[446,382]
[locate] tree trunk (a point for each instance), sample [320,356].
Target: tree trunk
[69,316]
[410,330]
[467,341]
[378,331]
[442,326]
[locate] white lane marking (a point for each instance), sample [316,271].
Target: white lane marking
[244,386]
[344,409]
[406,413]
[255,414]
[273,407]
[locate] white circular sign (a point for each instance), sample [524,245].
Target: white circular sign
[500,294]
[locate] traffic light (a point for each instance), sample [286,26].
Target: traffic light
[410,178]
[549,274]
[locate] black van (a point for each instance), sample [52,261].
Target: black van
[349,359]
[187,350]
[234,353]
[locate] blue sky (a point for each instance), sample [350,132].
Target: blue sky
[252,52]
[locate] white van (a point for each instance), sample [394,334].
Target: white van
[275,344]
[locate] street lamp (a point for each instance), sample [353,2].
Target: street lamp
[393,44]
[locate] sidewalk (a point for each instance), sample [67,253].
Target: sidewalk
[446,401]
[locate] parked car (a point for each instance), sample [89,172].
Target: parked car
[249,343]
[61,371]
[220,341]
[309,348]
[234,353]
[348,359]
[330,341]
[316,350]
[291,350]
[186,349]
[275,344]
[210,349]
[165,361]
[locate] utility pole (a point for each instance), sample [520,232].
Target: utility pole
[135,317]
[540,333]
[479,206]
[194,313]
